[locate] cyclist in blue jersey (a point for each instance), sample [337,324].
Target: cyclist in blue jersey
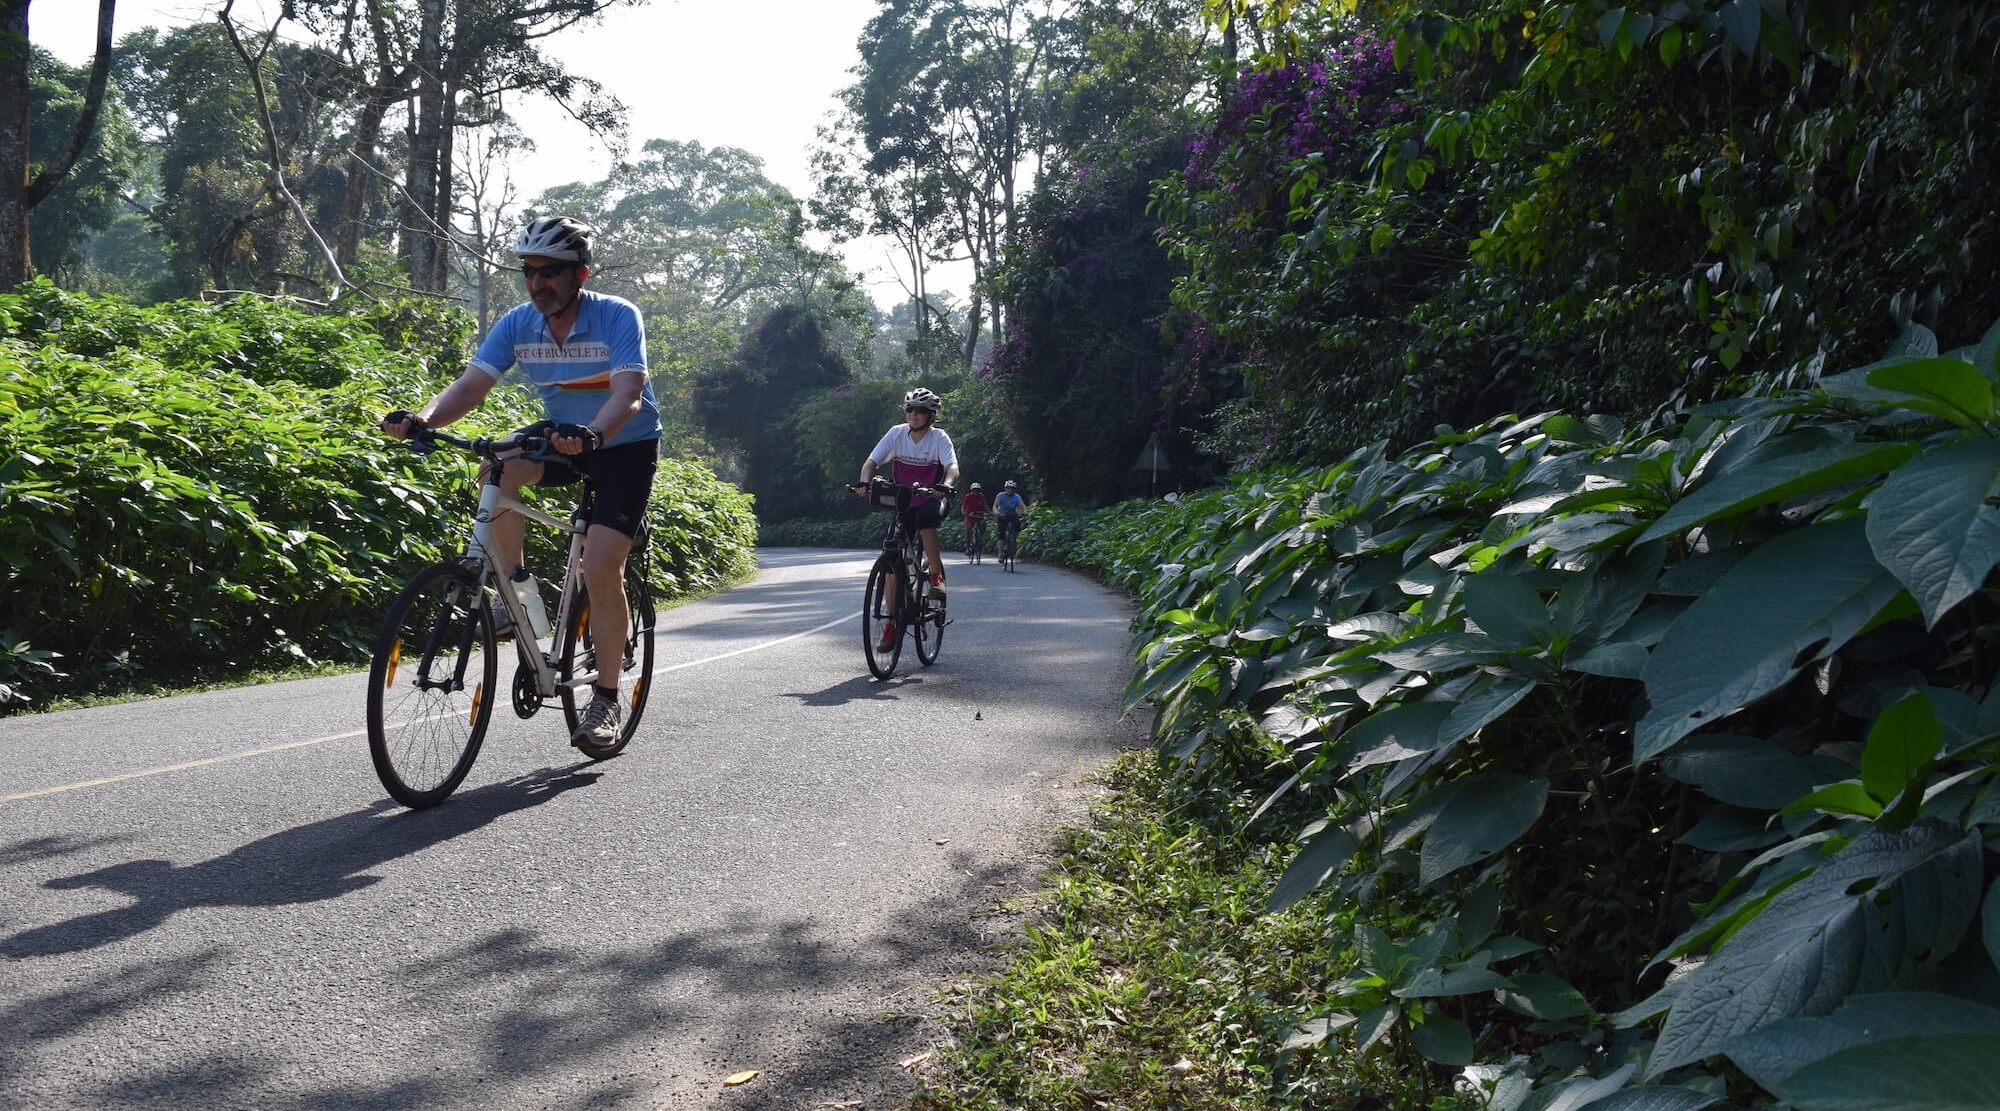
[584,353]
[1009,510]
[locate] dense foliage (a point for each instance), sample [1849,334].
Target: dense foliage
[1587,204]
[1680,746]
[196,490]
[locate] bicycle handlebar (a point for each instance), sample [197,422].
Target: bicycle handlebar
[927,491]
[424,441]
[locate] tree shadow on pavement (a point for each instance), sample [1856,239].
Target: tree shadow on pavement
[320,860]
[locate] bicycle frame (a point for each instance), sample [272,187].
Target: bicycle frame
[479,551]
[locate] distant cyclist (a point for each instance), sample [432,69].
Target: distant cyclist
[918,454]
[584,353]
[1009,510]
[973,506]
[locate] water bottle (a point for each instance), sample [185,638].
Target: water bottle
[530,593]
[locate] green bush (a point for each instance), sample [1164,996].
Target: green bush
[857,532]
[1649,759]
[164,519]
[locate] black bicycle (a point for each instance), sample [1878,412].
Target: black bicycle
[435,675]
[898,604]
[1010,534]
[975,535]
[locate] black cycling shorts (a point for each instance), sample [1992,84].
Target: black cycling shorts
[928,515]
[622,477]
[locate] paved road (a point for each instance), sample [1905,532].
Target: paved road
[209,901]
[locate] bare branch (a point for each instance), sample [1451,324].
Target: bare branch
[271,147]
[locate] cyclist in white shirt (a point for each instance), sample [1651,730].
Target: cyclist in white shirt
[917,453]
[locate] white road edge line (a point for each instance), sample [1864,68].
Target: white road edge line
[359,732]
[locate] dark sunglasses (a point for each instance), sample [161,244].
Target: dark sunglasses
[546,273]
[919,409]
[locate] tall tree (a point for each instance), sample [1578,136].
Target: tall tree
[482,50]
[950,99]
[19,193]
[91,197]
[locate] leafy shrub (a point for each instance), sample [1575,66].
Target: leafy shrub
[166,522]
[857,532]
[1645,754]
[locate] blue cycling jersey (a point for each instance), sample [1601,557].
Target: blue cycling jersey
[573,378]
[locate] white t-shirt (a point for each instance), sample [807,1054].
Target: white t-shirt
[915,462]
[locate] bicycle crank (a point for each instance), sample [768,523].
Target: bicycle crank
[527,696]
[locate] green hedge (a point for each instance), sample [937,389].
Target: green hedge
[856,532]
[167,517]
[1651,760]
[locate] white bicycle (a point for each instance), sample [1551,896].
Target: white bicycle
[431,686]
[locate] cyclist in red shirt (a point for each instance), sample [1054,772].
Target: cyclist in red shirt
[973,503]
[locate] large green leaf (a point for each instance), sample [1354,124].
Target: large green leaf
[1507,609]
[1934,524]
[1657,1099]
[1741,771]
[1805,952]
[1901,745]
[1950,1072]
[1585,1091]
[1395,733]
[1321,857]
[1775,1052]
[1949,388]
[1484,814]
[1544,996]
[1775,480]
[1488,698]
[1445,1040]
[1433,983]
[1741,20]
[1804,594]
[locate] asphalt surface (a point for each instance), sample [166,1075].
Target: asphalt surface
[209,901]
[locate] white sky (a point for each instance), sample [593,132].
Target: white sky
[757,76]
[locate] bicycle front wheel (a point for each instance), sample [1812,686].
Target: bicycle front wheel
[431,685]
[929,631]
[635,664]
[877,606]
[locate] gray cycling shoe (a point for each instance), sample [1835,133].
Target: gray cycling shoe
[597,726]
[503,622]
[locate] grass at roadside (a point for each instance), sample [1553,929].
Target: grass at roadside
[1153,979]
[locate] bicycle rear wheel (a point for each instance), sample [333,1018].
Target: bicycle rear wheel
[635,665]
[877,603]
[431,685]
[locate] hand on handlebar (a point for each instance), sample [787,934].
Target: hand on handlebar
[574,439]
[402,424]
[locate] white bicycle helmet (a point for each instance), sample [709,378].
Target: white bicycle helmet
[1007,485]
[922,398]
[560,237]
[975,486]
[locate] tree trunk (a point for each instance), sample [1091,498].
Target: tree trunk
[419,236]
[367,133]
[14,265]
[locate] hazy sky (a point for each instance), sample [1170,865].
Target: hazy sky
[757,76]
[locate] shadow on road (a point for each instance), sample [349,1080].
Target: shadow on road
[861,688]
[320,860]
[596,1010]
